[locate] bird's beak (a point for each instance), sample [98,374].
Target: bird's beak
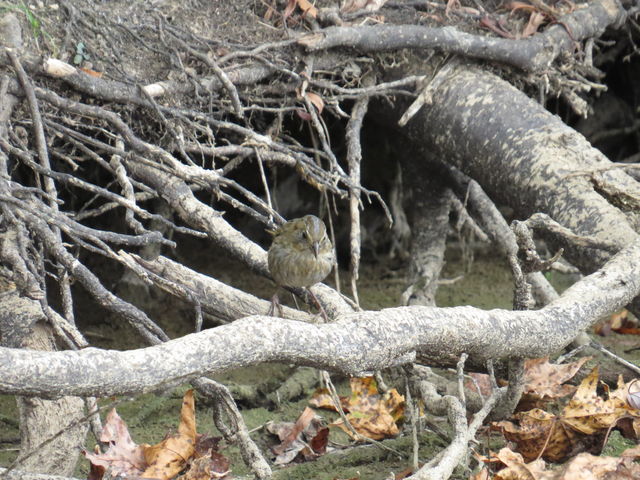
[316,248]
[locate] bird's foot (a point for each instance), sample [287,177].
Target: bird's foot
[275,305]
[320,307]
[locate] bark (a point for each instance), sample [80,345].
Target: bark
[54,421]
[355,344]
[525,157]
[213,296]
[535,53]
[50,433]
[429,219]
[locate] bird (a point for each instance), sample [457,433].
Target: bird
[300,256]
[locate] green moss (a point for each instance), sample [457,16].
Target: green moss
[616,444]
[9,429]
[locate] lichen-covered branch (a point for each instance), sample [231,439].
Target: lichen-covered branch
[354,344]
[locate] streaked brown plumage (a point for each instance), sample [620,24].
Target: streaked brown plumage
[301,253]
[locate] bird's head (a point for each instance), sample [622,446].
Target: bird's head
[313,232]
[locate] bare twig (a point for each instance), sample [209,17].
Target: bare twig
[354,157]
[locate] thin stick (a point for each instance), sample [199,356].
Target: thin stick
[49,185]
[263,177]
[354,158]
[612,355]
[358,436]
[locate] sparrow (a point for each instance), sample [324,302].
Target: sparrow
[300,255]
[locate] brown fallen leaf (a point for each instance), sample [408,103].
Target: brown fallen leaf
[167,458]
[541,434]
[544,381]
[370,413]
[483,474]
[91,73]
[316,100]
[590,467]
[588,413]
[305,5]
[479,383]
[407,472]
[367,5]
[305,439]
[495,26]
[584,421]
[535,20]
[321,398]
[209,467]
[620,322]
[123,457]
[516,5]
[583,466]
[516,468]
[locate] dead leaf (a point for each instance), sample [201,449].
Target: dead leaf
[452,5]
[96,472]
[584,418]
[167,458]
[368,5]
[479,383]
[544,381]
[516,468]
[91,73]
[123,457]
[305,439]
[586,412]
[370,413]
[316,100]
[407,472]
[483,474]
[310,40]
[620,322]
[535,20]
[305,5]
[515,5]
[212,466]
[495,26]
[582,467]
[590,467]
[540,434]
[321,398]
[271,11]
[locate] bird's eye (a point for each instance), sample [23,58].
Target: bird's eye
[305,235]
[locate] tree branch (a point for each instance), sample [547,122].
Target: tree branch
[354,344]
[535,53]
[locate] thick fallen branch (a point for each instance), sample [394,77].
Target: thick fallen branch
[355,344]
[476,123]
[535,53]
[114,91]
[213,296]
